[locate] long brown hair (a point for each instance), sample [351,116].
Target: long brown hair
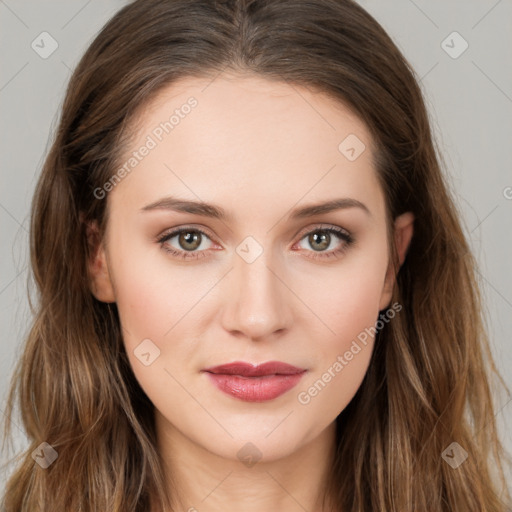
[428,384]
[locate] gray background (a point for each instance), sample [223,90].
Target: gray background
[469,98]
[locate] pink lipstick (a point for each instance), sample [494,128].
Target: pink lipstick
[255,383]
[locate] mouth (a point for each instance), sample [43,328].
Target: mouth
[258,383]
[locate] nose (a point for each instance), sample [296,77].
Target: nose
[257,301]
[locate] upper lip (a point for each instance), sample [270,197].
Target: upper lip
[249,370]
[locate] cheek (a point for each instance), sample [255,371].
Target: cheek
[149,304]
[151,296]
[346,298]
[150,312]
[348,304]
[158,306]
[341,359]
[142,299]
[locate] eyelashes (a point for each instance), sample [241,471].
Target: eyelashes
[193,238]
[327,234]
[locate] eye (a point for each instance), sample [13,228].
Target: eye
[321,238]
[189,240]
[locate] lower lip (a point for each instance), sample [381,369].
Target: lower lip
[255,389]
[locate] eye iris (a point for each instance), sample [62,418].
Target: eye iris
[325,239]
[189,237]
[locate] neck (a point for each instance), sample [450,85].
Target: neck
[204,481]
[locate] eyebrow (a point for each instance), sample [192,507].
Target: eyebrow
[217,212]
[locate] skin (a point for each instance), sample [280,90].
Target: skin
[258,149]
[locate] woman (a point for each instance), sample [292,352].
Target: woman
[255,292]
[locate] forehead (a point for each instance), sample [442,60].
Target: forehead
[246,137]
[235,105]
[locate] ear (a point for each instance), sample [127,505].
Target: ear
[97,266]
[403,230]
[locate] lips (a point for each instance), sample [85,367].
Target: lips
[255,383]
[248,370]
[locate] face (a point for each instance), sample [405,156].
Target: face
[258,276]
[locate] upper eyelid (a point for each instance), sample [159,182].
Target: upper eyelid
[320,227]
[171,233]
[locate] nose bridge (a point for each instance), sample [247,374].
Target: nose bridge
[257,304]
